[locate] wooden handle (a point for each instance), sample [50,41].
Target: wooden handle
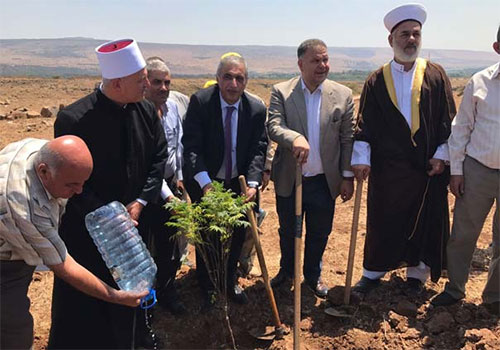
[352,245]
[297,258]
[260,256]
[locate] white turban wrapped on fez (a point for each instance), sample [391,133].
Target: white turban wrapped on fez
[119,58]
[413,12]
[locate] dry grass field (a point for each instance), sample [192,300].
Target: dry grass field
[375,325]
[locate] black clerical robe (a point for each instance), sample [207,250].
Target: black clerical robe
[129,150]
[407,219]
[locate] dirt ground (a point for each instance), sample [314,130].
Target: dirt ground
[378,322]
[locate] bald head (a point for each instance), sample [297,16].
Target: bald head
[63,165]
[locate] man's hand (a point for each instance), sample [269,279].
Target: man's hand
[346,189]
[207,187]
[437,166]
[457,185]
[361,171]
[266,176]
[250,195]
[180,186]
[171,198]
[300,149]
[134,210]
[132,299]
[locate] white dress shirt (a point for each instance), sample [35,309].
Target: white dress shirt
[403,82]
[202,177]
[172,126]
[313,166]
[475,131]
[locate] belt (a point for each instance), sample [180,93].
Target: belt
[312,178]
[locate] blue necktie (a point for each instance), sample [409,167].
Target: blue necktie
[228,145]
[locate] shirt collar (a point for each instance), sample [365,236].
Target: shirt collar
[101,85]
[495,72]
[164,108]
[304,87]
[224,104]
[401,68]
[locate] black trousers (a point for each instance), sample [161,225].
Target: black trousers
[164,246]
[16,322]
[318,208]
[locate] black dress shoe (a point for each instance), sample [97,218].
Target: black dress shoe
[319,288]
[365,285]
[281,279]
[237,295]
[176,307]
[145,337]
[444,299]
[147,341]
[169,299]
[414,286]
[493,308]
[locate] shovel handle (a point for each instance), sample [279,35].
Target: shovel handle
[260,256]
[352,245]
[297,257]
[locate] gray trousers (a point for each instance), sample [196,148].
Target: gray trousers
[16,322]
[482,189]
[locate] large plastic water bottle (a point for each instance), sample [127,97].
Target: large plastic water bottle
[121,247]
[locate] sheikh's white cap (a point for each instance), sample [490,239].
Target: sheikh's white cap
[119,58]
[415,12]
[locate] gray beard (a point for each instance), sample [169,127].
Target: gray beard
[402,56]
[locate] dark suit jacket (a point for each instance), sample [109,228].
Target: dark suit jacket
[203,138]
[129,150]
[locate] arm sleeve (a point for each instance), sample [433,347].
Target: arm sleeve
[346,138]
[461,130]
[152,187]
[258,147]
[276,124]
[192,140]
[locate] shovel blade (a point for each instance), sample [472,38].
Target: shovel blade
[267,333]
[337,313]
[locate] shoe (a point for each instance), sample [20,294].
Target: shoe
[261,216]
[176,307]
[414,286]
[169,299]
[209,300]
[145,337]
[493,308]
[365,285]
[444,299]
[319,288]
[147,341]
[281,279]
[237,295]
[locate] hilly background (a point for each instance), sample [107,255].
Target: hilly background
[75,56]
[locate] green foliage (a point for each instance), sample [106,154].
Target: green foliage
[218,212]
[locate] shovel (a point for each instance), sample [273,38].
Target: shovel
[297,257]
[346,311]
[352,245]
[279,331]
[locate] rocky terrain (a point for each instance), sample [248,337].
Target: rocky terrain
[387,319]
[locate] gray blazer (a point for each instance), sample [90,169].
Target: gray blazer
[288,120]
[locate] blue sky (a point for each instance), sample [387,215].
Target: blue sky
[451,24]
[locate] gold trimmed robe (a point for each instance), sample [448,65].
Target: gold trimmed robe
[407,218]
